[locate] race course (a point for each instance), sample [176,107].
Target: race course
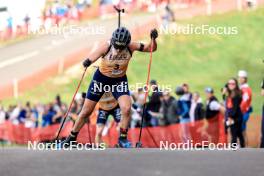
[131,162]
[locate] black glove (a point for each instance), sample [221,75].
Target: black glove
[87,63]
[154,34]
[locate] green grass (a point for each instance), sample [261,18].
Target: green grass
[200,60]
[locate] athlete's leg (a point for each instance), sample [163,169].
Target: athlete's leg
[100,124]
[98,135]
[124,102]
[116,113]
[86,111]
[92,97]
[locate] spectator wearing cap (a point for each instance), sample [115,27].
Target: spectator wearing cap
[210,128]
[262,125]
[196,110]
[246,99]
[213,107]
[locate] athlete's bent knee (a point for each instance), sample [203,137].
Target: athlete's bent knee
[126,110]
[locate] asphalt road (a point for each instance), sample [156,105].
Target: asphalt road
[131,162]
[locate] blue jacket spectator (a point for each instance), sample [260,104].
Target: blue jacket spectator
[48,116]
[183,105]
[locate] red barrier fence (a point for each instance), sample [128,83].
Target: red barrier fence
[176,133]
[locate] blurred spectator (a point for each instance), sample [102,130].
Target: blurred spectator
[246,100]
[29,120]
[187,94]
[27,22]
[14,112]
[35,115]
[74,110]
[183,104]
[251,4]
[166,104]
[135,117]
[154,100]
[262,125]
[210,128]
[47,115]
[22,115]
[167,15]
[138,99]
[2,114]
[59,108]
[154,104]
[224,95]
[183,112]
[196,110]
[213,107]
[187,97]
[9,29]
[172,110]
[169,108]
[170,13]
[77,106]
[234,113]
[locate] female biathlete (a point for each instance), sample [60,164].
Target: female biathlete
[111,76]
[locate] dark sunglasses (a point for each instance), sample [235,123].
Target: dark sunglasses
[119,47]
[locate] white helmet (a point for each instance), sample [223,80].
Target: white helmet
[242,73]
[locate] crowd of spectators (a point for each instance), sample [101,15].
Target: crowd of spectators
[164,109]
[55,13]
[160,109]
[40,115]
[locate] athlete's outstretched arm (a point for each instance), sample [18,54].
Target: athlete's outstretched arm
[95,55]
[135,46]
